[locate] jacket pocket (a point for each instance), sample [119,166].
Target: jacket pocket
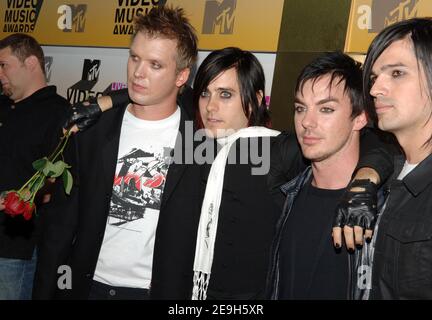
[410,243]
[410,231]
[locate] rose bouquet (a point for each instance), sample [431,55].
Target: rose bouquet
[22,201]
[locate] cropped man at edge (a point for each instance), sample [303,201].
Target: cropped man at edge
[30,128]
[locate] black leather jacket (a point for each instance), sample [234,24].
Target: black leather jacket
[359,263]
[403,252]
[291,189]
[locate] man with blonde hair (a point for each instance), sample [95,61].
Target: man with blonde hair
[119,231]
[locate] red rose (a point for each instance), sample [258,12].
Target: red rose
[13,204]
[47,168]
[28,210]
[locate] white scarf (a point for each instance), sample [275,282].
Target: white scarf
[207,227]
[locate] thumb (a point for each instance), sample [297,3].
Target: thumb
[1,203]
[73,130]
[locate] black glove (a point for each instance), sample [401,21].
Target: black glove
[83,114]
[358,208]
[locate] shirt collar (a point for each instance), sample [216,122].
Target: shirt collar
[419,178]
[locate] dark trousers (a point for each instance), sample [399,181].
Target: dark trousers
[102,291]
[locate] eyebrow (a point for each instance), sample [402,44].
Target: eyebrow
[390,66]
[224,89]
[320,102]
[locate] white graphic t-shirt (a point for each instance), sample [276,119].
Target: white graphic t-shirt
[126,256]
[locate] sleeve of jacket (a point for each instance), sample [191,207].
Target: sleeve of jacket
[59,222]
[377,151]
[286,162]
[119,97]
[185,100]
[286,159]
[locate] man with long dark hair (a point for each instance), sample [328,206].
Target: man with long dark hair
[398,91]
[239,212]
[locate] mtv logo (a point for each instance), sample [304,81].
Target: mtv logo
[48,67]
[93,72]
[219,16]
[90,75]
[385,13]
[73,17]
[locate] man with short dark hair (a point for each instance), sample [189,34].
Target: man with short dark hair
[30,128]
[329,115]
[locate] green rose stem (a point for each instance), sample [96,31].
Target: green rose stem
[39,174]
[61,146]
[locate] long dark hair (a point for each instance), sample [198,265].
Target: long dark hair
[419,30]
[251,80]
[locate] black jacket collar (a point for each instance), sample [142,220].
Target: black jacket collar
[419,178]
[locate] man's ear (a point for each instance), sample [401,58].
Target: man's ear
[182,77]
[260,96]
[31,62]
[360,121]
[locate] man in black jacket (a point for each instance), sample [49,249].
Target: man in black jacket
[398,89]
[118,233]
[30,128]
[329,114]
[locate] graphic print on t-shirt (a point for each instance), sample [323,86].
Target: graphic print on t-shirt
[138,185]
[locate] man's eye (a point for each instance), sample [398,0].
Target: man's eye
[156,66]
[299,109]
[225,94]
[372,80]
[327,110]
[205,94]
[397,73]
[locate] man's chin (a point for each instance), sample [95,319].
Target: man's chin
[135,97]
[219,133]
[138,101]
[314,156]
[211,133]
